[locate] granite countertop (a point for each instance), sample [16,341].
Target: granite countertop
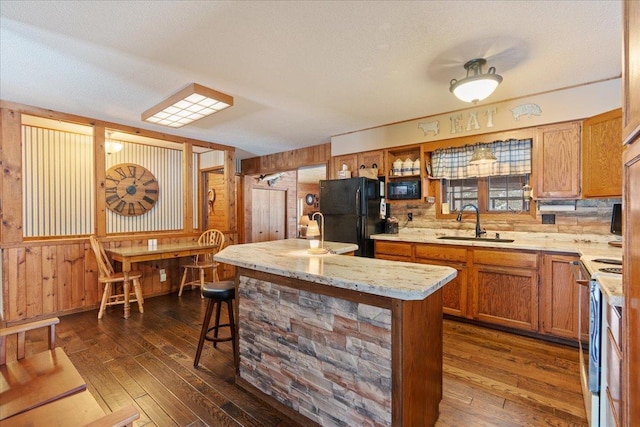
[587,246]
[580,244]
[289,258]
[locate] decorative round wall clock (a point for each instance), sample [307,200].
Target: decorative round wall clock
[131,190]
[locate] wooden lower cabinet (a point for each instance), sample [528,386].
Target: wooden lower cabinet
[454,293]
[505,296]
[504,288]
[559,297]
[526,290]
[393,251]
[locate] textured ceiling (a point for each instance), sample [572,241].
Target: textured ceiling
[300,72]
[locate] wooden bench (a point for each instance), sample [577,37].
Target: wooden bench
[46,389]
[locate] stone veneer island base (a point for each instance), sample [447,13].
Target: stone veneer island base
[339,340]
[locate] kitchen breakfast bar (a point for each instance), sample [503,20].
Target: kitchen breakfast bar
[336,339]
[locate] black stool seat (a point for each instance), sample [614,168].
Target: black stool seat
[219,290]
[217,293]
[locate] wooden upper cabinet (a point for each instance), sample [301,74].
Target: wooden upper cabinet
[370,158]
[356,160]
[602,155]
[556,161]
[631,71]
[350,160]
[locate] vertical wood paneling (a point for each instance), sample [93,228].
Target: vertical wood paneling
[49,280]
[33,277]
[16,294]
[57,182]
[166,166]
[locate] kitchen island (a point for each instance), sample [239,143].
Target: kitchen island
[339,340]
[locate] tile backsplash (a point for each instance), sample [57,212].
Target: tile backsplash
[591,216]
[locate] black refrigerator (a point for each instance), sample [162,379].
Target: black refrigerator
[351,209]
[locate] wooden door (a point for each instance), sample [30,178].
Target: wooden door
[556,161]
[559,297]
[259,215]
[215,204]
[602,155]
[268,208]
[505,296]
[277,214]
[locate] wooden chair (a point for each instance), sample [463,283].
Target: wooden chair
[34,380]
[110,279]
[45,389]
[203,262]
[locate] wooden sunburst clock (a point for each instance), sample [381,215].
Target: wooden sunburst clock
[131,190]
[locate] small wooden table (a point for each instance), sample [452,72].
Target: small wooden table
[129,256]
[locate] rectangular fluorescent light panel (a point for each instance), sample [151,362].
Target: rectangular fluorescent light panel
[190,104]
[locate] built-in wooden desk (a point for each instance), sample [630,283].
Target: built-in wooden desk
[129,256]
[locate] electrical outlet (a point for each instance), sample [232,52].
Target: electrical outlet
[163,275]
[410,216]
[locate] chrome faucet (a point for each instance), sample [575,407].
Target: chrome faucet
[479,231]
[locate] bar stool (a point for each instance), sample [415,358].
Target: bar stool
[217,293]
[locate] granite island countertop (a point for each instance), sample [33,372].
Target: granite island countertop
[289,258]
[587,246]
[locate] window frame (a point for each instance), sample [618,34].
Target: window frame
[522,133]
[483,200]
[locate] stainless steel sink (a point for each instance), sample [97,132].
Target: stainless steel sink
[476,239]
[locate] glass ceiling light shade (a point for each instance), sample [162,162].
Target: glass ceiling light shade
[477,86]
[190,104]
[482,156]
[111,146]
[313,232]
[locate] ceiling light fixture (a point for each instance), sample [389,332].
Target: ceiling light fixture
[190,104]
[111,146]
[478,86]
[482,155]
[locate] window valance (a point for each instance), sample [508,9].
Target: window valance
[514,158]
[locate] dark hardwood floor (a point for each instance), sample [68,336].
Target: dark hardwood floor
[491,378]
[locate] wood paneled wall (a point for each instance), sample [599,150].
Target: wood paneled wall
[49,279]
[53,276]
[287,160]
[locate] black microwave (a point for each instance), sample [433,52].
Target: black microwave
[404,190]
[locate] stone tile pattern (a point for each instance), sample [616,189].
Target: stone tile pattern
[326,358]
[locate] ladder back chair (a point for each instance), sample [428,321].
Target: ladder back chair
[202,263]
[110,278]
